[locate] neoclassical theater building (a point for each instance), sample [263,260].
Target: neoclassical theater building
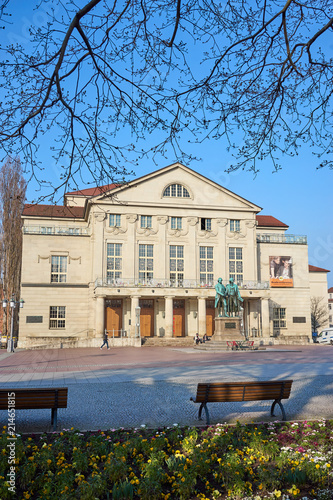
[142,259]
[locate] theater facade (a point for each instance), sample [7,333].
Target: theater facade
[142,259]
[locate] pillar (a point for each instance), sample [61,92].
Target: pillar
[265,323]
[168,316]
[134,304]
[202,316]
[99,319]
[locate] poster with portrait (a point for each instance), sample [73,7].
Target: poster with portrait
[281,271]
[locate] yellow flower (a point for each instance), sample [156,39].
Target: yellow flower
[260,486]
[277,493]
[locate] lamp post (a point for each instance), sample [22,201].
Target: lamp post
[12,304]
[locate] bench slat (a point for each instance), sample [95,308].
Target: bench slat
[34,398]
[216,392]
[243,391]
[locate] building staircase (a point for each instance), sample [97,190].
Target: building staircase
[167,341]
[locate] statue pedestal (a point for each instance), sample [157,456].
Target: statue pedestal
[227,329]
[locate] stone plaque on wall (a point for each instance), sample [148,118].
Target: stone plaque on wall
[230,325]
[299,319]
[34,319]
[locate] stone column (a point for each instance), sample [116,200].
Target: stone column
[99,318]
[265,323]
[202,316]
[134,304]
[168,316]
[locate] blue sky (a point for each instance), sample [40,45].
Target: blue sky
[298,195]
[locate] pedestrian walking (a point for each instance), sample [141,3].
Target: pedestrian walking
[106,335]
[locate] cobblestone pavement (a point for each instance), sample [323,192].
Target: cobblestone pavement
[129,387]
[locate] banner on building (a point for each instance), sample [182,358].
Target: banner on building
[281,271]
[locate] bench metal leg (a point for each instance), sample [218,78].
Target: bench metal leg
[278,401]
[54,418]
[203,406]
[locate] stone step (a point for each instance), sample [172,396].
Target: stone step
[167,342]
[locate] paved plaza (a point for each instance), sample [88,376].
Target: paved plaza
[129,387]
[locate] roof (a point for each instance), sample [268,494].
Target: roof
[269,221]
[93,191]
[314,269]
[330,290]
[53,211]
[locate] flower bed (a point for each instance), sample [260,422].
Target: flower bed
[270,460]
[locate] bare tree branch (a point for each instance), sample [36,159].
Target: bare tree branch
[98,80]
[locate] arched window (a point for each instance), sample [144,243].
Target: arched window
[176,191]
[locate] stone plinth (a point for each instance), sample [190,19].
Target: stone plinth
[227,329]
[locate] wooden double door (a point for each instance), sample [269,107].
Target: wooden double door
[114,317]
[210,316]
[146,317]
[179,318]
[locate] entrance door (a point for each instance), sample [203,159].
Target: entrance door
[210,316]
[146,318]
[114,317]
[179,318]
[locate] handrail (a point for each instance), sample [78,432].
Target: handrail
[167,283]
[281,238]
[56,230]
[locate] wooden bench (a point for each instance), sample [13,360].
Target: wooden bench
[216,392]
[35,399]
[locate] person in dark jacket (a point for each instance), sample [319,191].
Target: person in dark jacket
[106,336]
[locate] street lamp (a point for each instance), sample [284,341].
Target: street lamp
[12,304]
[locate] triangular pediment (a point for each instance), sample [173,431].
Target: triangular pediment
[150,190]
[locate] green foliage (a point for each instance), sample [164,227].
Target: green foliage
[215,463]
[122,491]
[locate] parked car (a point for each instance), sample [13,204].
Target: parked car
[325,337]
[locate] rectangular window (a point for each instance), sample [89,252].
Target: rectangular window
[146,221]
[279,317]
[235,226]
[206,224]
[46,230]
[58,269]
[236,264]
[114,262]
[206,265]
[57,317]
[176,222]
[146,262]
[176,264]
[114,220]
[330,306]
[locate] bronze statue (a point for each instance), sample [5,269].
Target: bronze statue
[220,299]
[233,297]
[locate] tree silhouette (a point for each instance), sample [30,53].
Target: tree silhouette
[110,83]
[12,198]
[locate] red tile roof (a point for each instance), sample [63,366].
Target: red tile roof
[58,211]
[314,269]
[269,221]
[94,191]
[330,290]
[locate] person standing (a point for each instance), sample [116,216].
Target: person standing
[106,336]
